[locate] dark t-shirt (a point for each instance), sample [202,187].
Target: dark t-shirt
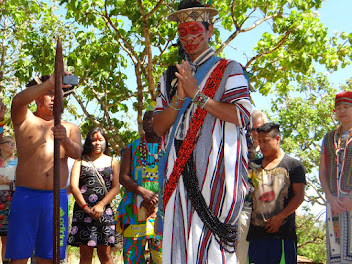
[272,194]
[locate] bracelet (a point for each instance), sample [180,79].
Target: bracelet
[85,205]
[176,103]
[1,130]
[200,99]
[179,97]
[2,123]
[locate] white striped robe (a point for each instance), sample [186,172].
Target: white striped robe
[221,166]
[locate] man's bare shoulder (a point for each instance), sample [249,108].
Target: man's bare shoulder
[30,120]
[70,125]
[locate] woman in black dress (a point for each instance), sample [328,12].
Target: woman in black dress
[94,183]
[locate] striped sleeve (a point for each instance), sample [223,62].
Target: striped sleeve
[236,92]
[161,99]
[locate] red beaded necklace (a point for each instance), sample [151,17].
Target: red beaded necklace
[190,141]
[145,152]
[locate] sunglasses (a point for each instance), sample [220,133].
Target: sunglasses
[9,142]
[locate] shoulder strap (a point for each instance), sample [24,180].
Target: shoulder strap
[97,174]
[199,75]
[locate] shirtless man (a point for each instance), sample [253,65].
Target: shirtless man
[31,213]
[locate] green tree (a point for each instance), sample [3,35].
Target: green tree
[311,238]
[304,120]
[116,37]
[27,44]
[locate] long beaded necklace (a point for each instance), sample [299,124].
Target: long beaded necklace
[189,142]
[144,151]
[341,149]
[341,144]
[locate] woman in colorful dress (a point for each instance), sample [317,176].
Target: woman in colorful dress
[8,163]
[94,183]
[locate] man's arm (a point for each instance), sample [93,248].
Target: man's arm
[334,202]
[274,223]
[20,102]
[164,120]
[223,111]
[127,181]
[72,142]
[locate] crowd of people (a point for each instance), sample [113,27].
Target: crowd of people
[192,194]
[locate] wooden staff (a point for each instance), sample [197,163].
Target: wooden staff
[58,108]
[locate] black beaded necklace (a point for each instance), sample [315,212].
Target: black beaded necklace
[225,234]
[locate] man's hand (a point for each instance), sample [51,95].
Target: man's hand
[52,80]
[60,132]
[273,224]
[336,204]
[2,110]
[149,196]
[187,80]
[149,206]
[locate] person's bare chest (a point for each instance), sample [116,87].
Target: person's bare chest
[35,137]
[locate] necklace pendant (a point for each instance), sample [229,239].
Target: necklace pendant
[156,156]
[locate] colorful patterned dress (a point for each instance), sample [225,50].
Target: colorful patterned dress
[6,193]
[85,230]
[136,231]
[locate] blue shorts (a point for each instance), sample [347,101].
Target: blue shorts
[31,224]
[272,251]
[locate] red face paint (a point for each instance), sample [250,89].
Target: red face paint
[192,35]
[190,28]
[96,136]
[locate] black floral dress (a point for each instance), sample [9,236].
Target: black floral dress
[85,230]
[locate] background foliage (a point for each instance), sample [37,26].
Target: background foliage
[119,48]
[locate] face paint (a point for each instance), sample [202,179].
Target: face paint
[103,145]
[191,28]
[191,34]
[99,140]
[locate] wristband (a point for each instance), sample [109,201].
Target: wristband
[1,130]
[176,102]
[179,97]
[85,205]
[2,123]
[200,99]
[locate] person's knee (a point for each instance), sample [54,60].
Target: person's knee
[86,252]
[104,253]
[43,261]
[18,261]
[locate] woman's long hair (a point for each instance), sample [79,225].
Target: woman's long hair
[88,147]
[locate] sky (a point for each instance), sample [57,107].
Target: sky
[334,14]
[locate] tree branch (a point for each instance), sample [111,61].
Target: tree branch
[278,45]
[154,9]
[150,75]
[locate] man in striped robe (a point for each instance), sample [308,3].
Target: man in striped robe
[201,111]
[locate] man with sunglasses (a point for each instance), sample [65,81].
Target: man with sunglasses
[31,219]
